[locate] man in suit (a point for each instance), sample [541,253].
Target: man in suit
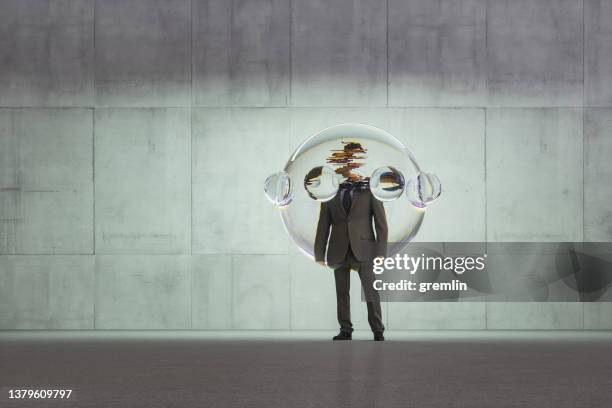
[353,245]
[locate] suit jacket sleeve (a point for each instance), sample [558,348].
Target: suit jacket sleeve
[322,234]
[380,224]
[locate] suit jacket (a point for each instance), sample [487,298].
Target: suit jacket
[356,228]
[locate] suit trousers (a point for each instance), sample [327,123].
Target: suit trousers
[343,285]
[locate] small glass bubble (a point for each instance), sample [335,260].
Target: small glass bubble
[423,189]
[387,183]
[277,188]
[321,183]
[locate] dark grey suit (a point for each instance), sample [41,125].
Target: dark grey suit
[353,245]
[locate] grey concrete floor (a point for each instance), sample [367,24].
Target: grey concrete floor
[305,369]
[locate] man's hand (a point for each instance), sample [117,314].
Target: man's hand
[322,263]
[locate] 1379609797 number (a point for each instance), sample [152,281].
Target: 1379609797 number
[29,393]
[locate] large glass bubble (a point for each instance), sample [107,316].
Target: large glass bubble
[365,157]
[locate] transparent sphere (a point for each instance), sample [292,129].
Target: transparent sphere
[360,155]
[278,188]
[424,189]
[321,183]
[387,183]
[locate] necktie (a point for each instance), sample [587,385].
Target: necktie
[346,200]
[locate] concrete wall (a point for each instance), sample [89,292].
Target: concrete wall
[122,203]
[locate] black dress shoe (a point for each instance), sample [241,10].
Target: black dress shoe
[343,336]
[378,336]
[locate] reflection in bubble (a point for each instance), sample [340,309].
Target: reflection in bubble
[387,183]
[321,183]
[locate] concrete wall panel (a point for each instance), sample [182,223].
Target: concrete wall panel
[143,194]
[534,316]
[46,181]
[437,53]
[597,173]
[435,316]
[261,292]
[313,296]
[339,53]
[241,52]
[598,316]
[534,175]
[234,150]
[47,53]
[50,292]
[534,53]
[143,292]
[143,52]
[598,53]
[211,291]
